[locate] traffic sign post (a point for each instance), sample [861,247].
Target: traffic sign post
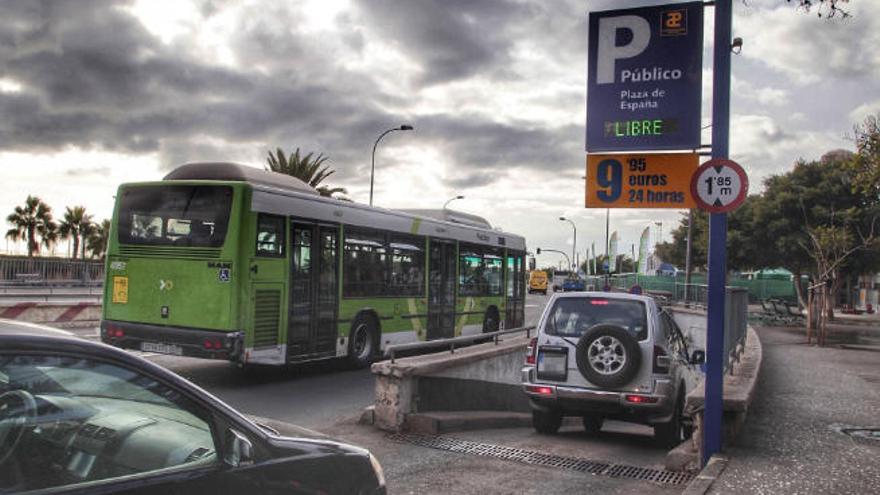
[643,180]
[713,400]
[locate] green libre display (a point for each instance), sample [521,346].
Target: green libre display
[225,261]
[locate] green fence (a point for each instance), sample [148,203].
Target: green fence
[758,289]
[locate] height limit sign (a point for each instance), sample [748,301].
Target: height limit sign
[719,185]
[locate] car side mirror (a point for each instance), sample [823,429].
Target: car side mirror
[239,450]
[698,357]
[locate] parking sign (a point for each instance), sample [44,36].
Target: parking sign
[644,78]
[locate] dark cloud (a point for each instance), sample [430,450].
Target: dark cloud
[93,77]
[450,39]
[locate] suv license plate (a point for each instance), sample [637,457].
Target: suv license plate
[553,365]
[162,348]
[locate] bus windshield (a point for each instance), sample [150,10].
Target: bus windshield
[175,215]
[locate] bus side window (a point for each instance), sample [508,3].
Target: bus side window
[270,235]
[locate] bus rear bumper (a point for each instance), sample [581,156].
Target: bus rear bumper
[177,341]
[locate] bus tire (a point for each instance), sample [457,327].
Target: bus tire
[362,342]
[491,320]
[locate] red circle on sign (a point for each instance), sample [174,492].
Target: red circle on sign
[741,195]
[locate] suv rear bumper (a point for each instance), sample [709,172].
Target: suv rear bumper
[655,407]
[191,342]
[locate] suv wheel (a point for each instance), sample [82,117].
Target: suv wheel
[546,422]
[593,423]
[673,433]
[608,356]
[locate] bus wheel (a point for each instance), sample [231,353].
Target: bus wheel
[491,320]
[362,342]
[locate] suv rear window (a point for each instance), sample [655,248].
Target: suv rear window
[573,316]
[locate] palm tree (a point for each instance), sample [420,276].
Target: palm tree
[305,168]
[30,220]
[98,238]
[76,224]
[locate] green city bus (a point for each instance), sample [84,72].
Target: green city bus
[224,261]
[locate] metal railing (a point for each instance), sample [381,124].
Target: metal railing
[20,271]
[450,343]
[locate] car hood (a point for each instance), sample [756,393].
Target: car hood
[286,429]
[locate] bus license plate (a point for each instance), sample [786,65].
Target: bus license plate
[162,348]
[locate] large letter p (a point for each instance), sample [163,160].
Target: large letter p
[608,51]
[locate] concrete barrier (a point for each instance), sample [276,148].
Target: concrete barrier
[56,314]
[739,390]
[482,380]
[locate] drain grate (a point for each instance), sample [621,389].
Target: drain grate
[542,459]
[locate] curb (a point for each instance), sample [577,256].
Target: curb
[703,481]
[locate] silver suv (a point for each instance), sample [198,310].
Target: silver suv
[603,355]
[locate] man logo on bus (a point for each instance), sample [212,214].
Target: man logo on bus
[674,23]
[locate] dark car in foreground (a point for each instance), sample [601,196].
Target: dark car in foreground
[83,417]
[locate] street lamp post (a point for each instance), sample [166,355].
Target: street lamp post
[404,127]
[451,200]
[574,240]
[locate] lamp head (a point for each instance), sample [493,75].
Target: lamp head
[405,127]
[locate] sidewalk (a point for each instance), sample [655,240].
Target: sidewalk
[789,443]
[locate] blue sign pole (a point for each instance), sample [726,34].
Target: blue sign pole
[713,412]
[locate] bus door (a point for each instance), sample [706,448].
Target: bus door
[313,290]
[266,274]
[515,290]
[441,293]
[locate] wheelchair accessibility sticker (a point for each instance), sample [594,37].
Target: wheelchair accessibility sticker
[224,275]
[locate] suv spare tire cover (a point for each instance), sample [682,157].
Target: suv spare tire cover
[621,345]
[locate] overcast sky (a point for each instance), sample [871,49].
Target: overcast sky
[95,92]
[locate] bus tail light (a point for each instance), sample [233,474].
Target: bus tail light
[113,331]
[532,351]
[212,344]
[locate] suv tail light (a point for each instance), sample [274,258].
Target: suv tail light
[661,361]
[532,351]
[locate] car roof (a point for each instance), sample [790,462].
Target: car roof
[13,327]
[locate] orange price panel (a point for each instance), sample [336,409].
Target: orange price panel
[647,180]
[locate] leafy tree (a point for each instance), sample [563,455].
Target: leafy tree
[98,239]
[310,170]
[31,220]
[76,224]
[866,163]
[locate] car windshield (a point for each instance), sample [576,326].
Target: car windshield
[573,316]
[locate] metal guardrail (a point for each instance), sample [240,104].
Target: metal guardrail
[451,342]
[18,271]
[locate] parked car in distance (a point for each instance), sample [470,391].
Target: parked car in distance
[538,282]
[601,356]
[574,284]
[83,417]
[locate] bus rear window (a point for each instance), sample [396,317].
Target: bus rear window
[573,316]
[175,215]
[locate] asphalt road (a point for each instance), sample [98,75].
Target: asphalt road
[314,395]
